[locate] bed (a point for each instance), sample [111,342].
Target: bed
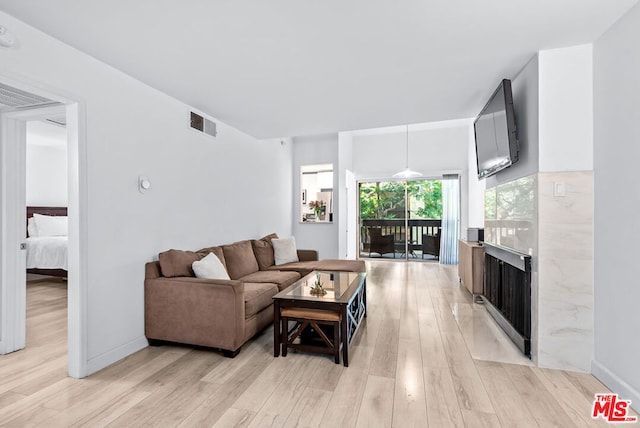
[47,251]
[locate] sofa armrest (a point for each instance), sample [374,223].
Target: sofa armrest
[196,311]
[152,270]
[307,255]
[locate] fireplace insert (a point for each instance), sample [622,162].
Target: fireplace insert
[507,292]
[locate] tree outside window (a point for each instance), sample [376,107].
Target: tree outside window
[386,200]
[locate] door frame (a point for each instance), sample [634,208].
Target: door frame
[358,237]
[12,292]
[12,300]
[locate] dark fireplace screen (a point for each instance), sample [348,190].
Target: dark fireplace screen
[507,288]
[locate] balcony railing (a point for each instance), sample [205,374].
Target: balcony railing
[417,231]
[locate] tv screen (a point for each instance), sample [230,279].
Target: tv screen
[495,131]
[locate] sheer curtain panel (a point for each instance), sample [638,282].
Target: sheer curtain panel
[450,219]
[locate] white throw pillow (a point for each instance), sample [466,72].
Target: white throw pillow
[210,267]
[48,225]
[32,230]
[284,250]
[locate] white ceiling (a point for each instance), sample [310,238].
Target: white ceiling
[300,67]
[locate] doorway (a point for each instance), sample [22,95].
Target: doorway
[47,234]
[20,105]
[400,219]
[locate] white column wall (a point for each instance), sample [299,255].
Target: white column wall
[566,109]
[565,221]
[347,227]
[475,187]
[321,236]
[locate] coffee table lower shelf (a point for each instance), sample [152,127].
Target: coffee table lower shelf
[315,330]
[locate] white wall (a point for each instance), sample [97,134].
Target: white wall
[434,149]
[525,88]
[564,328]
[322,236]
[46,175]
[566,108]
[475,187]
[565,223]
[204,191]
[616,152]
[347,224]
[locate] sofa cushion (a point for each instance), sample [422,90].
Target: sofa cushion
[215,250]
[210,267]
[177,262]
[284,250]
[302,268]
[258,296]
[240,259]
[281,278]
[263,250]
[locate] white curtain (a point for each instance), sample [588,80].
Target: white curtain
[450,219]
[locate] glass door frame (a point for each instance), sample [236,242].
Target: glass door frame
[359,182]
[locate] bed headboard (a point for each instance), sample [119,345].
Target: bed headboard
[46,211]
[56,211]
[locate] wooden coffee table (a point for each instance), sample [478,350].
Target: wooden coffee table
[346,295]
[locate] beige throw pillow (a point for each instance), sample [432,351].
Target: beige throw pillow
[284,250]
[210,267]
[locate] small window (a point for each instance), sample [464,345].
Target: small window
[316,195]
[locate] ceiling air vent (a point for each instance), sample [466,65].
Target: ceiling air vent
[17,98]
[202,124]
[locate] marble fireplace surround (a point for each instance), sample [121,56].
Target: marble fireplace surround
[557,231]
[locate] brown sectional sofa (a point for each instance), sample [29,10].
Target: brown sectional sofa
[222,313]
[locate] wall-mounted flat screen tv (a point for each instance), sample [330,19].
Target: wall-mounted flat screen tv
[495,131]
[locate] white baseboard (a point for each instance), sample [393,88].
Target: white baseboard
[104,360]
[616,384]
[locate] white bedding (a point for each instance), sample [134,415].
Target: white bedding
[47,252]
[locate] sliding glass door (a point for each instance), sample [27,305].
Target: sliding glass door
[382,219]
[400,219]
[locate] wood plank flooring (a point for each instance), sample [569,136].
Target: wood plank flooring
[419,360]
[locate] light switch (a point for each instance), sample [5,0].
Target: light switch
[559,189]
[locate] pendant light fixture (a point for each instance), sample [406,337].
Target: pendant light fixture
[407,173]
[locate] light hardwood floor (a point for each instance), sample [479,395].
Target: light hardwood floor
[421,359]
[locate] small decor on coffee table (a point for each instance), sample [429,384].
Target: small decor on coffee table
[316,288]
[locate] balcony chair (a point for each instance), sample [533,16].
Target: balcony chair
[431,245]
[380,243]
